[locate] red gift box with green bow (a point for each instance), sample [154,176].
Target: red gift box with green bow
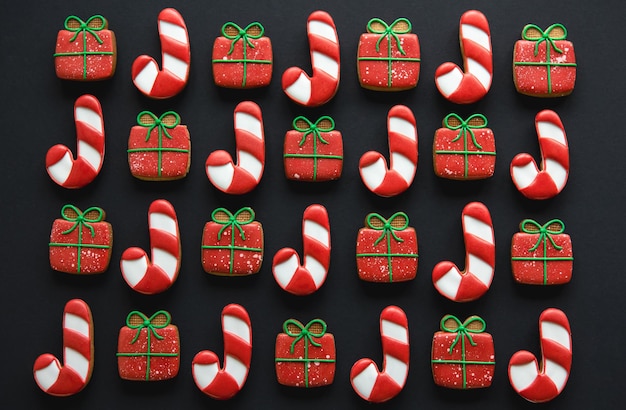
[542,254]
[463,354]
[544,62]
[305,354]
[232,244]
[81,242]
[85,50]
[148,348]
[386,249]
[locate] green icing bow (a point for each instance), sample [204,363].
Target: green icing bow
[242,34]
[387,228]
[232,221]
[462,331]
[389,31]
[544,231]
[84,27]
[313,128]
[304,333]
[545,36]
[465,126]
[80,220]
[158,123]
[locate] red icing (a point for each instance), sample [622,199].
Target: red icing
[92,260]
[292,373]
[313,169]
[453,165]
[144,164]
[98,66]
[377,269]
[531,272]
[231,75]
[533,80]
[245,262]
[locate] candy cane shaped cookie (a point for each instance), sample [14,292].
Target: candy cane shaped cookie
[306,279]
[324,46]
[60,163]
[469,86]
[378,386]
[543,385]
[175,56]
[480,258]
[402,135]
[78,354]
[546,183]
[244,176]
[157,274]
[224,383]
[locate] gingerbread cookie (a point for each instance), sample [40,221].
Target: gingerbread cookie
[148,348]
[159,148]
[85,50]
[81,242]
[388,58]
[242,57]
[544,63]
[464,149]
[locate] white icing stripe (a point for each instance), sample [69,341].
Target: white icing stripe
[556,172]
[249,123]
[374,174]
[480,72]
[146,77]
[204,374]
[236,369]
[402,127]
[89,154]
[476,35]
[449,283]
[166,261]
[364,382]
[300,90]
[284,271]
[60,171]
[48,375]
[237,327]
[251,164]
[525,175]
[552,131]
[89,117]
[316,231]
[173,31]
[326,64]
[78,362]
[315,269]
[394,331]
[523,375]
[319,28]
[163,222]
[556,373]
[403,166]
[221,175]
[478,228]
[77,324]
[480,269]
[176,66]
[450,81]
[396,369]
[555,332]
[134,270]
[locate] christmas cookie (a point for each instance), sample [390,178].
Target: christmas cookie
[464,149]
[542,254]
[232,244]
[85,50]
[242,57]
[544,63]
[313,151]
[386,249]
[81,242]
[159,148]
[388,58]
[305,354]
[148,348]
[463,356]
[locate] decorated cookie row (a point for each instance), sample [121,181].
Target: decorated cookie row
[462,356]
[386,250]
[389,58]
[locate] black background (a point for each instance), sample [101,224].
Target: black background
[37,113]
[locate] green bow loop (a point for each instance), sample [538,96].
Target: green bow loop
[545,232]
[313,128]
[158,122]
[232,221]
[80,220]
[462,330]
[305,333]
[545,36]
[146,322]
[242,34]
[84,27]
[387,226]
[389,31]
[465,126]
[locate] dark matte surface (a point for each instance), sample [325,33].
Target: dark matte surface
[37,113]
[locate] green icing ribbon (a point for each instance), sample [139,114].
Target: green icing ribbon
[83,28]
[162,128]
[81,221]
[151,329]
[314,129]
[244,36]
[307,336]
[463,332]
[545,233]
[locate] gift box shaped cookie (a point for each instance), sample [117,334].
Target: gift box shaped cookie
[463,355]
[544,63]
[313,151]
[148,348]
[159,148]
[242,57]
[542,254]
[305,355]
[232,244]
[80,242]
[464,149]
[85,50]
[388,56]
[386,249]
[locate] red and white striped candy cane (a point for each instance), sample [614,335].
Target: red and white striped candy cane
[378,386]
[480,258]
[306,279]
[324,46]
[402,135]
[469,86]
[543,385]
[175,56]
[224,383]
[157,274]
[60,163]
[78,354]
[546,183]
[244,176]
